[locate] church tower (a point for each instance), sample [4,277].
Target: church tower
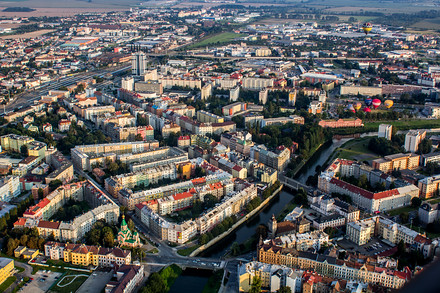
[272,226]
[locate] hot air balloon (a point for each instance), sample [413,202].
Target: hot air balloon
[388,104]
[367,27]
[368,102]
[376,103]
[351,108]
[357,106]
[367,110]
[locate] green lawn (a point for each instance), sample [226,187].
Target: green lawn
[187,251]
[66,279]
[356,149]
[401,210]
[407,124]
[434,200]
[221,38]
[8,282]
[19,269]
[154,250]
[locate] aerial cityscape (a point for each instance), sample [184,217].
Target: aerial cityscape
[219,146]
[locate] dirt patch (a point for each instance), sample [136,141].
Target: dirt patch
[57,11]
[27,35]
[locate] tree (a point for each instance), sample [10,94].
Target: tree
[113,167]
[55,184]
[284,289]
[204,239]
[40,193]
[235,248]
[130,224]
[256,285]
[108,239]
[24,150]
[416,202]
[139,137]
[155,284]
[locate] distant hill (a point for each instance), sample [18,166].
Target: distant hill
[18,9]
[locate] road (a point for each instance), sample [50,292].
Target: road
[26,273]
[27,97]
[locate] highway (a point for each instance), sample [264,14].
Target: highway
[30,95]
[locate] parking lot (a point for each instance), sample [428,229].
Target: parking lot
[41,282]
[96,282]
[373,247]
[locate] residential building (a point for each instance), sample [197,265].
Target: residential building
[385,131]
[206,91]
[277,160]
[397,162]
[349,269]
[138,63]
[429,212]
[295,119]
[262,96]
[272,277]
[429,186]
[86,255]
[412,140]
[10,187]
[6,268]
[127,278]
[231,109]
[206,117]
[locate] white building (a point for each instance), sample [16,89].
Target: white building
[385,131]
[272,276]
[413,139]
[10,187]
[138,64]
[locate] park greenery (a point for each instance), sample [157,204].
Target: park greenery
[196,210]
[71,210]
[101,234]
[162,281]
[227,223]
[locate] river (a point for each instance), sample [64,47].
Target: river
[245,231]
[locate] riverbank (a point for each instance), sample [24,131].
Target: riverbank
[236,225]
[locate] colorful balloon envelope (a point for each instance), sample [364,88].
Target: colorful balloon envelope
[357,106]
[368,102]
[367,110]
[376,103]
[388,104]
[350,108]
[367,27]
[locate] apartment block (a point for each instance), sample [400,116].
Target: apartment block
[86,255]
[412,140]
[429,186]
[385,131]
[397,162]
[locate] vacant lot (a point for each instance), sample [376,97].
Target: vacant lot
[222,38]
[27,35]
[356,149]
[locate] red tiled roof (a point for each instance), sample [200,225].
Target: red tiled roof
[48,224]
[363,192]
[182,195]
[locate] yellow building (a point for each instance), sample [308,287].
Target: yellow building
[26,253]
[6,268]
[14,142]
[82,255]
[184,170]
